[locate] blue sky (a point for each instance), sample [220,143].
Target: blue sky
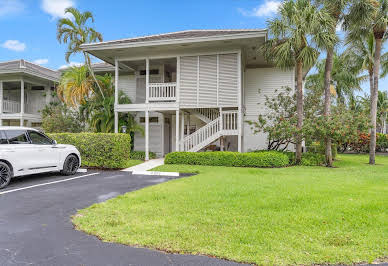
[28,27]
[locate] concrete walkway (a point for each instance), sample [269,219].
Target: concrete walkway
[143,168]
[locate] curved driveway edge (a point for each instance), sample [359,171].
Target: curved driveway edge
[35,225]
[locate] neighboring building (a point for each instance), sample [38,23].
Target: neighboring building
[25,88]
[192,89]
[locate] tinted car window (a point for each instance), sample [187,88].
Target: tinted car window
[16,136]
[38,138]
[3,138]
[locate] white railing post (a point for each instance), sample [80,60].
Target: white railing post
[1,102]
[178,78]
[221,120]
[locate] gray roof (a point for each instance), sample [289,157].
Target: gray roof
[22,66]
[187,34]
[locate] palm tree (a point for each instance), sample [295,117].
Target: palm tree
[98,112]
[335,9]
[361,52]
[295,37]
[382,110]
[77,32]
[365,17]
[75,85]
[345,78]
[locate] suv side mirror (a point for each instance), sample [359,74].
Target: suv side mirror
[55,142]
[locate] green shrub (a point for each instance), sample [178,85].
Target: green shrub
[320,148]
[252,159]
[308,158]
[312,159]
[381,142]
[140,155]
[106,150]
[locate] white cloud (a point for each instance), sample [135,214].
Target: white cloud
[71,64]
[268,8]
[56,8]
[9,7]
[14,45]
[41,61]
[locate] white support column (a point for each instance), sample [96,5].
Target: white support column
[147,135]
[21,102]
[182,130]
[1,103]
[48,94]
[116,95]
[147,79]
[239,120]
[116,122]
[178,78]
[162,133]
[177,130]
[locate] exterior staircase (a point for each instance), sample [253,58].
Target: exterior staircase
[221,125]
[206,114]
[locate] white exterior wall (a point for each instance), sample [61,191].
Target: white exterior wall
[209,80]
[127,84]
[258,83]
[155,137]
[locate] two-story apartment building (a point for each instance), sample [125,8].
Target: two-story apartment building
[25,88]
[193,88]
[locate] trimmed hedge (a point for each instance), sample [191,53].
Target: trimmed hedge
[140,155]
[260,159]
[106,150]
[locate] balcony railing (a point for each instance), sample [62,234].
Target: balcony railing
[11,106]
[160,92]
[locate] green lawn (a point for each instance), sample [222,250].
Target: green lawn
[131,163]
[295,215]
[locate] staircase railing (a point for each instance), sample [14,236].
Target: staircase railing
[210,113]
[190,142]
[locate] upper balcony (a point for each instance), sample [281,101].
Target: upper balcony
[162,92]
[17,97]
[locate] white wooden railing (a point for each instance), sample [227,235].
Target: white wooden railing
[162,91]
[193,141]
[209,113]
[11,106]
[226,124]
[229,120]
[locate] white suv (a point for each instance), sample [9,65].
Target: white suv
[25,151]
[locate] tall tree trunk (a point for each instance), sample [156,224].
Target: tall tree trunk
[89,66]
[328,69]
[373,97]
[299,109]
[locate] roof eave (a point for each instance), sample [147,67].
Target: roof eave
[107,45]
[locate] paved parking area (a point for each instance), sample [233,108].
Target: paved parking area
[35,225]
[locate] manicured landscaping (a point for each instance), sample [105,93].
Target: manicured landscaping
[293,215]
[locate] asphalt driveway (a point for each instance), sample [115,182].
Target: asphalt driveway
[35,225]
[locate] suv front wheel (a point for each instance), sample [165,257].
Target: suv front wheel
[5,175]
[71,165]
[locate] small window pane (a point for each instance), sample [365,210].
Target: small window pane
[3,138]
[16,137]
[37,138]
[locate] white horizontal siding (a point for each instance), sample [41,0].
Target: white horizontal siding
[202,89]
[155,144]
[258,83]
[127,84]
[207,80]
[228,80]
[189,80]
